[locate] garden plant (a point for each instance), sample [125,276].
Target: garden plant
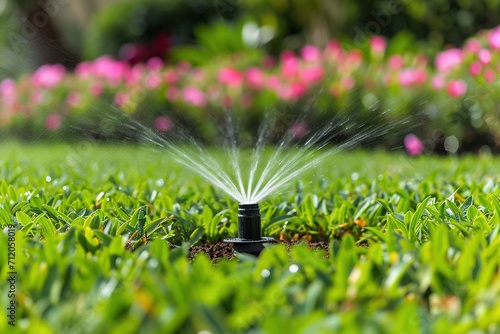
[251,182]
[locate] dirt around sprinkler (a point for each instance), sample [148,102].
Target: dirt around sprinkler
[224,250]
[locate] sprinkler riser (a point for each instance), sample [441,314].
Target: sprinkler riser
[249,223]
[249,240]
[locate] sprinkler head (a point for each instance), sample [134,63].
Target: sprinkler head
[249,238]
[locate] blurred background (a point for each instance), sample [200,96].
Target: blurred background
[185,61]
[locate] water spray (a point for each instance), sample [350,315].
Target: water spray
[250,239]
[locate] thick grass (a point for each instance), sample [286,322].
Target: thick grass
[92,225]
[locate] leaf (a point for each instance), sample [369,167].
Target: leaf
[196,236]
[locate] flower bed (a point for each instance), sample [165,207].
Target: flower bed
[452,96]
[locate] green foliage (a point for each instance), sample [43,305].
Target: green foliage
[414,246]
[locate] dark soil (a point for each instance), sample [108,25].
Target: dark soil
[224,250]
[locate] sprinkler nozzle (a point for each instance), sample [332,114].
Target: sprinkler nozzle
[250,238]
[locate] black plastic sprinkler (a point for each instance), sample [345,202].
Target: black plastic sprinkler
[250,239]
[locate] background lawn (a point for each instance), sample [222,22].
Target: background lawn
[413,245]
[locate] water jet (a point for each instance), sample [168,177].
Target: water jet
[250,239]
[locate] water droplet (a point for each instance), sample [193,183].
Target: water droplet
[160,183]
[354,176]
[380,177]
[293,268]
[265,273]
[48,178]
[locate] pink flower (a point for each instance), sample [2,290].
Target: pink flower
[255,78]
[406,78]
[84,70]
[438,82]
[456,88]
[347,82]
[378,45]
[230,77]
[112,70]
[155,64]
[172,93]
[171,77]
[413,145]
[396,62]
[290,67]
[291,92]
[448,60]
[333,49]
[38,97]
[472,46]
[310,75]
[162,123]
[96,89]
[484,56]
[475,68]
[420,76]
[354,58]
[273,82]
[48,76]
[310,53]
[153,80]
[8,88]
[494,38]
[53,121]
[73,99]
[489,75]
[194,96]
[121,99]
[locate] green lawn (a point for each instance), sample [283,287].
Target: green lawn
[414,245]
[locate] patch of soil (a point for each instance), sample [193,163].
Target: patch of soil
[224,250]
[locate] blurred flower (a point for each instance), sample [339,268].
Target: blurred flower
[494,38]
[171,77]
[378,45]
[153,81]
[406,78]
[230,77]
[8,88]
[73,99]
[273,82]
[448,60]
[255,78]
[121,99]
[38,97]
[290,67]
[413,144]
[347,82]
[155,64]
[475,68]
[438,82]
[311,75]
[489,75]
[53,121]
[472,45]
[162,123]
[333,49]
[96,89]
[484,56]
[310,53]
[396,62]
[194,96]
[48,76]
[456,88]
[172,93]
